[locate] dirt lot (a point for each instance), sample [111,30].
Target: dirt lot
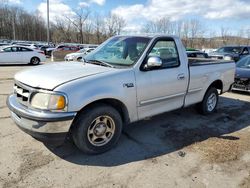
[177,149]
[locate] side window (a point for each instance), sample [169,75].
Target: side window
[14,49]
[25,49]
[167,51]
[245,51]
[66,48]
[200,55]
[7,49]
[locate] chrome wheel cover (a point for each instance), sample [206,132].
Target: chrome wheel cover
[211,102]
[101,130]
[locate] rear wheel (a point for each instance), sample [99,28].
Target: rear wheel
[35,61]
[209,102]
[97,129]
[79,59]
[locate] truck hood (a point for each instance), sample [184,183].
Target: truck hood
[51,75]
[223,54]
[242,72]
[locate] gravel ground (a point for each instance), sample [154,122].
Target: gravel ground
[176,149]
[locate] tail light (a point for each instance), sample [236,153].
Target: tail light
[41,52]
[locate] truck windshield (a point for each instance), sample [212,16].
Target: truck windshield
[123,51]
[228,49]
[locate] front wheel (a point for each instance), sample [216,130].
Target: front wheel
[209,102]
[35,61]
[79,59]
[97,129]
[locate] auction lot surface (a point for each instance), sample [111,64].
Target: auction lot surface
[176,149]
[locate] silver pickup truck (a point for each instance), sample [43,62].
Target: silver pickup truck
[126,79]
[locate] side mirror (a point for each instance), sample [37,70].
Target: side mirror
[245,52]
[153,62]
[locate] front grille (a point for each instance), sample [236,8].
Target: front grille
[242,83]
[22,94]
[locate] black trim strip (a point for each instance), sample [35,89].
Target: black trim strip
[200,62]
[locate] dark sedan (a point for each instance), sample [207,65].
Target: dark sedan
[231,53]
[242,75]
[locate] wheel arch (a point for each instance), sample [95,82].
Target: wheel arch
[34,57]
[216,84]
[115,103]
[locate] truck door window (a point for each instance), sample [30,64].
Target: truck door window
[167,51]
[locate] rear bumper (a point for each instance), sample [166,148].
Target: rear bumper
[44,125]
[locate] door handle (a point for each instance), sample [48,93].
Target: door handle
[181,77]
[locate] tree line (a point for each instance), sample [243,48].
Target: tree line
[87,27]
[84,27]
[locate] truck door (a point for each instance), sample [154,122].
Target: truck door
[162,89]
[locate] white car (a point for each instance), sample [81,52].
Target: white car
[77,56]
[32,46]
[20,54]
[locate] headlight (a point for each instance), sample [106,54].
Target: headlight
[47,101]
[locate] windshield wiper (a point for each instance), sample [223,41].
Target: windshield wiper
[98,62]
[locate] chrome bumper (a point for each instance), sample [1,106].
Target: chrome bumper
[36,122]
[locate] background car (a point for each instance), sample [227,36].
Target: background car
[242,75]
[197,54]
[77,56]
[21,54]
[231,52]
[60,52]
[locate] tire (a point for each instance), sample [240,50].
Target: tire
[209,102]
[97,129]
[34,61]
[79,59]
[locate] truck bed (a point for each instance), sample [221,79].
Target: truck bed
[203,72]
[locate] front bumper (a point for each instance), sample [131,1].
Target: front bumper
[237,87]
[43,125]
[241,84]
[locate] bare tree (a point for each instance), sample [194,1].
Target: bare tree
[114,25]
[185,32]
[98,28]
[224,34]
[79,20]
[195,31]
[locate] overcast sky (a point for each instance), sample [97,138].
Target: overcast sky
[231,14]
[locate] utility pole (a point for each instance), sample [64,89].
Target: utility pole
[14,28]
[48,21]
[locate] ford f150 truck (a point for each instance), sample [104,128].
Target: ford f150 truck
[126,79]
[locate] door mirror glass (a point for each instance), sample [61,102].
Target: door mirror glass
[153,62]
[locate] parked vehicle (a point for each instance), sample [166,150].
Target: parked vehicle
[4,44]
[48,51]
[122,81]
[192,50]
[43,48]
[79,55]
[208,50]
[32,46]
[242,75]
[59,53]
[20,54]
[81,46]
[197,54]
[231,53]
